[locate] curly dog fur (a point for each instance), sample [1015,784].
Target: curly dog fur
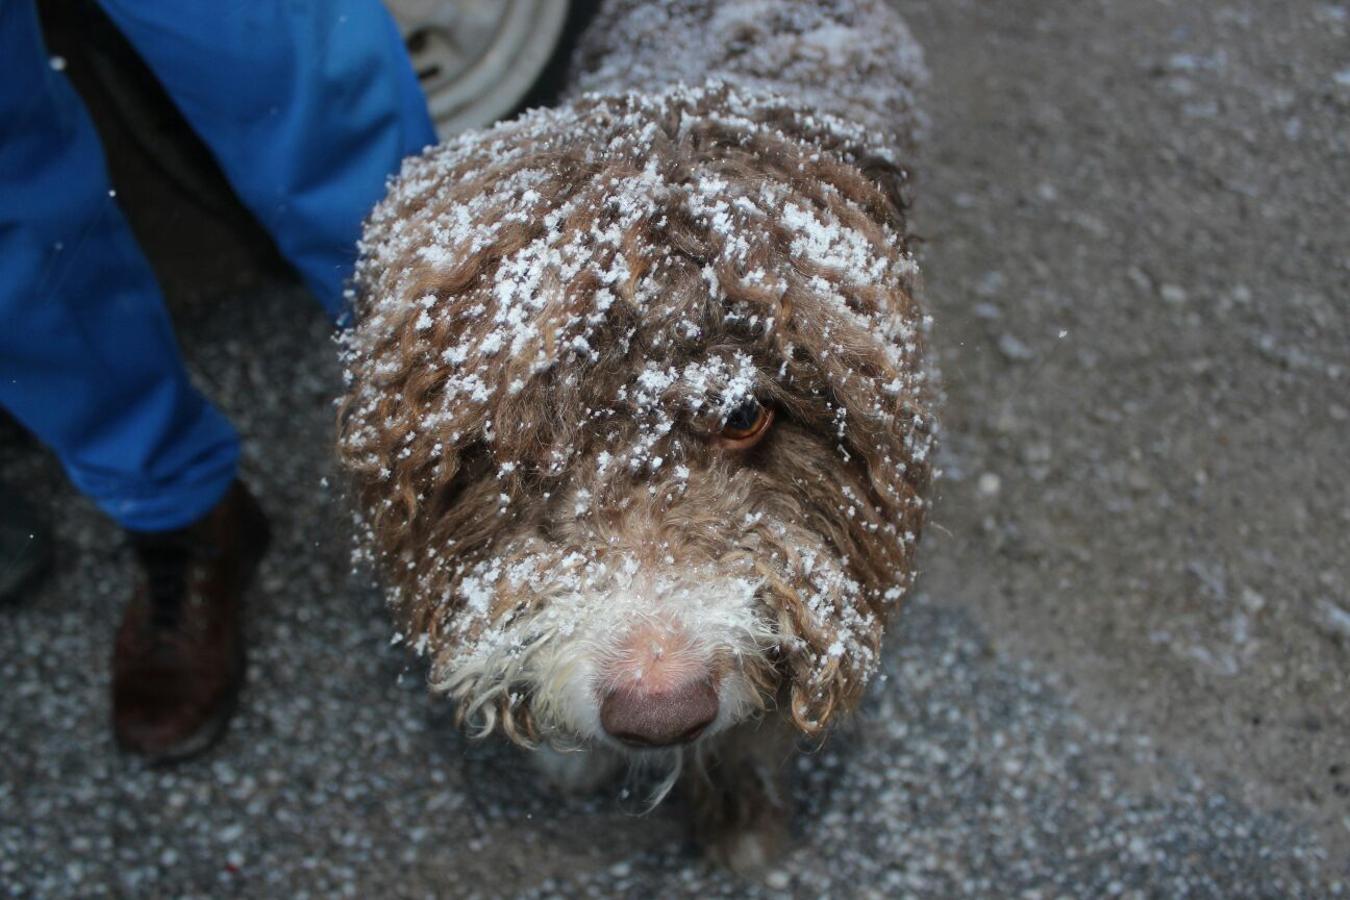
[558,317]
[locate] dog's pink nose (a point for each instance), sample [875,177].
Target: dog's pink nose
[646,718]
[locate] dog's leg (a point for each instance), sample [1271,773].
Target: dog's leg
[738,792]
[576,771]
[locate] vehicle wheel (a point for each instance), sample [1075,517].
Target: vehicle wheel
[478,59]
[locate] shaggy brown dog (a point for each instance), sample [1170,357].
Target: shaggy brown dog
[637,403]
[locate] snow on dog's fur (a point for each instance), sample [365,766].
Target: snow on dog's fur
[559,317]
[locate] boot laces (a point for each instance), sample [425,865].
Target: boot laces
[165,560]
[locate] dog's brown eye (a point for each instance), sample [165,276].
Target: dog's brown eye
[745,425]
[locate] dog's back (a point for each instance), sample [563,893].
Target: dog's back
[853,59]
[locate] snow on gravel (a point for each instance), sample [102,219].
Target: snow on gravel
[1146,485]
[966,773]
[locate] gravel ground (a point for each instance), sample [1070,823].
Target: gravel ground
[1140,266]
[1126,672]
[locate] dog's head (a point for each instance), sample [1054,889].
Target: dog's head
[639,416]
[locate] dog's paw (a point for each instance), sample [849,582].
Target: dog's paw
[575,771]
[752,853]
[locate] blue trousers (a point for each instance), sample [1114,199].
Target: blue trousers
[307,105]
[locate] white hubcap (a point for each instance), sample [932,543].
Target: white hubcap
[476,59]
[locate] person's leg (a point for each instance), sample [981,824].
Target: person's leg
[89,363]
[308,108]
[25,548]
[88,359]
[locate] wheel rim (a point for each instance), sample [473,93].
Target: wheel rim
[476,59]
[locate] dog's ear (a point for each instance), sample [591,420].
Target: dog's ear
[894,182]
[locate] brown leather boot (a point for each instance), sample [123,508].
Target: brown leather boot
[178,662]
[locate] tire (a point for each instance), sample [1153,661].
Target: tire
[477,60]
